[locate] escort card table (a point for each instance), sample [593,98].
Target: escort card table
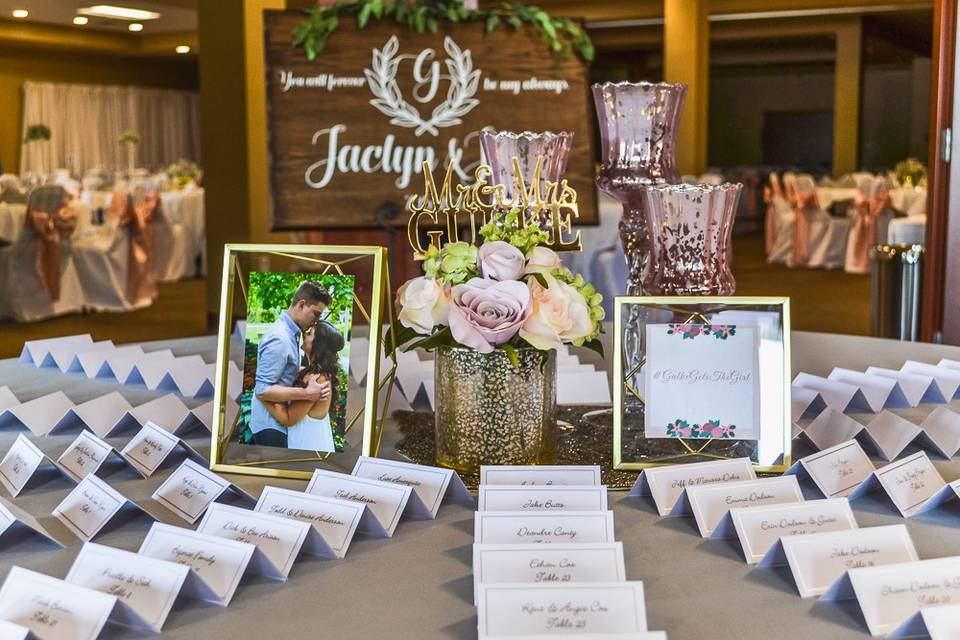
[419,585]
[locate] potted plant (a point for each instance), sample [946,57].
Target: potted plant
[130,139]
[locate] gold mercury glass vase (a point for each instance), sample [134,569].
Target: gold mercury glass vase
[490,412]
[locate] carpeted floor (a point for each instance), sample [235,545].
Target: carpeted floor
[830,301]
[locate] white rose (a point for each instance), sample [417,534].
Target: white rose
[542,260]
[560,314]
[423,304]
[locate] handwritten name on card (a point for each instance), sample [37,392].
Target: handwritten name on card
[603,607]
[53,609]
[219,562]
[19,464]
[430,484]
[817,560]
[386,501]
[910,482]
[540,475]
[146,585]
[710,503]
[838,470]
[524,527]
[189,490]
[759,528]
[84,456]
[665,484]
[147,450]
[542,498]
[334,519]
[88,508]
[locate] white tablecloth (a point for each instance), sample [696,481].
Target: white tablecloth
[13,217]
[909,200]
[909,230]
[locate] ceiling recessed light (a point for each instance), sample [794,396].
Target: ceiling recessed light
[182,48]
[80,20]
[135,26]
[20,13]
[120,13]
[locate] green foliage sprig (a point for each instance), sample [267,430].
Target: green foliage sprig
[130,136]
[36,132]
[562,36]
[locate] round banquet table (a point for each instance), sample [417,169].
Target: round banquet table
[909,230]
[418,584]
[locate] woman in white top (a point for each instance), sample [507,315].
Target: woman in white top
[308,423]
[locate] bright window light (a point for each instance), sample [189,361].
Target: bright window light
[119,13]
[80,20]
[20,13]
[182,48]
[135,26]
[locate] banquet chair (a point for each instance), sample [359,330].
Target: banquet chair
[38,273]
[10,191]
[825,235]
[778,226]
[115,262]
[172,259]
[872,212]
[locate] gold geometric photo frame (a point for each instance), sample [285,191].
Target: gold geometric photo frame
[633,450]
[368,388]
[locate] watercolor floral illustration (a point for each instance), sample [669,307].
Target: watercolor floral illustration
[680,428]
[690,331]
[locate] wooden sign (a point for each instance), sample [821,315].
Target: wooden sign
[350,130]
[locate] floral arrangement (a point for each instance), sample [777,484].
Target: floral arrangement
[561,35]
[710,429]
[910,171]
[129,137]
[690,331]
[183,172]
[509,293]
[36,132]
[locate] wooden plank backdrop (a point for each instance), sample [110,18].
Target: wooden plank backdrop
[335,157]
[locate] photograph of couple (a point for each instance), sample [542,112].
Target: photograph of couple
[296,360]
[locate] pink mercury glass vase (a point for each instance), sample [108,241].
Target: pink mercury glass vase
[638,130]
[690,230]
[500,147]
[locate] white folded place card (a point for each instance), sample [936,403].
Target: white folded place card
[759,528]
[35,351]
[948,380]
[878,391]
[16,524]
[907,483]
[710,503]
[946,497]
[117,366]
[505,497]
[52,608]
[91,505]
[24,462]
[148,449]
[546,474]
[38,415]
[525,527]
[887,595]
[86,455]
[92,363]
[385,501]
[555,563]
[193,380]
[638,635]
[278,540]
[560,609]
[832,427]
[938,623]
[334,520]
[167,412]
[11,631]
[65,357]
[917,387]
[430,484]
[805,403]
[147,585]
[942,426]
[817,560]
[665,484]
[891,433]
[836,471]
[583,386]
[217,561]
[837,395]
[191,488]
[150,373]
[7,399]
[101,415]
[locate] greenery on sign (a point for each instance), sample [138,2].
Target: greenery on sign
[562,36]
[37,132]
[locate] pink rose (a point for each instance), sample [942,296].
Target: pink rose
[542,260]
[423,304]
[560,314]
[487,313]
[500,260]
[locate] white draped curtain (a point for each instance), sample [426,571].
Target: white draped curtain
[86,122]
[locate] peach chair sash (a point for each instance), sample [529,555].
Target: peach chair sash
[863,235]
[136,218]
[771,191]
[50,230]
[802,204]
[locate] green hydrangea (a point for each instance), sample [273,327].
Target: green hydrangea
[504,227]
[454,264]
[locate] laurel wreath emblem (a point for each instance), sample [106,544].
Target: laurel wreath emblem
[388,100]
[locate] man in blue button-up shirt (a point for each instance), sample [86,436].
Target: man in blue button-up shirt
[278,361]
